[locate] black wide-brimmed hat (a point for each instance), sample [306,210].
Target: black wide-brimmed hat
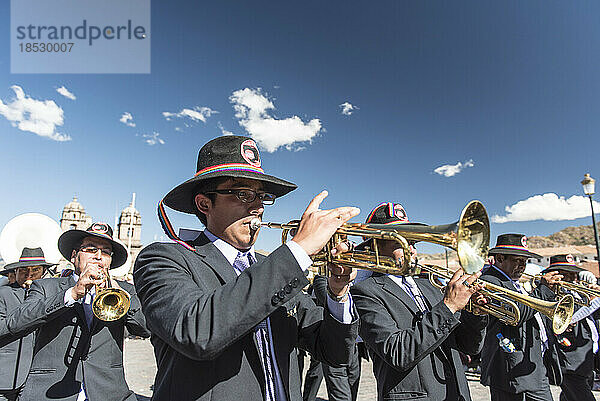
[225,156]
[72,238]
[387,213]
[29,257]
[564,262]
[512,244]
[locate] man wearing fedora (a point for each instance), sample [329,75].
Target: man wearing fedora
[578,344]
[226,322]
[76,356]
[413,330]
[16,352]
[518,375]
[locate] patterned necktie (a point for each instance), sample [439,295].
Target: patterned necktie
[242,261]
[87,307]
[415,294]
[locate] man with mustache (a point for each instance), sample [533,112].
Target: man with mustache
[76,356]
[16,353]
[518,375]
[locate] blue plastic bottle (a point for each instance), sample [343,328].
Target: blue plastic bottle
[504,343]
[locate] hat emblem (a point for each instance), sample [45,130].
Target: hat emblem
[524,241]
[399,212]
[250,153]
[100,228]
[569,258]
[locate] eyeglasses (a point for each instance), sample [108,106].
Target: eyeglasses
[93,250]
[247,195]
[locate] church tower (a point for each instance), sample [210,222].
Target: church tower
[129,230]
[74,216]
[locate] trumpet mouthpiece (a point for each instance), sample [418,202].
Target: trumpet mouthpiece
[255,223]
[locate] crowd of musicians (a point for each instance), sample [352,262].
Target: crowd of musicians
[228,323]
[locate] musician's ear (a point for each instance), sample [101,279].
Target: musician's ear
[73,254]
[203,203]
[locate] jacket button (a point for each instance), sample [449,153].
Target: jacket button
[439,331]
[288,289]
[281,294]
[274,300]
[294,282]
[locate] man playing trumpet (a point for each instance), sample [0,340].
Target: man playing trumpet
[577,345]
[226,321]
[415,332]
[77,356]
[516,373]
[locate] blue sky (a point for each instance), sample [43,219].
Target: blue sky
[511,89]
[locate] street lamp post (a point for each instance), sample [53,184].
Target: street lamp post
[588,189]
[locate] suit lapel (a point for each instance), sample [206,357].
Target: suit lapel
[214,259]
[430,293]
[390,286]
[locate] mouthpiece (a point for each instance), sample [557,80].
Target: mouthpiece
[255,224]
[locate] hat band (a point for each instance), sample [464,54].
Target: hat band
[168,228]
[562,264]
[520,248]
[229,167]
[101,234]
[32,259]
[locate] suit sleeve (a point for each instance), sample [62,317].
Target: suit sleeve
[135,321]
[200,321]
[323,336]
[401,344]
[44,301]
[470,333]
[5,336]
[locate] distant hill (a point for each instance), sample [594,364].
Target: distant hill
[581,235]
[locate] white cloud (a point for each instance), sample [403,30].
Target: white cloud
[347,108]
[252,109]
[196,114]
[549,207]
[127,119]
[223,130]
[38,116]
[449,170]
[65,92]
[153,139]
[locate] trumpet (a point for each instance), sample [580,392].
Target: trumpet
[585,293]
[469,237]
[110,303]
[502,302]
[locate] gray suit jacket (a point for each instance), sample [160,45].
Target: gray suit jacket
[522,370]
[578,357]
[15,353]
[66,351]
[415,355]
[202,318]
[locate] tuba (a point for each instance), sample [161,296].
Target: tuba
[469,237]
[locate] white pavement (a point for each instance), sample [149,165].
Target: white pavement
[140,369]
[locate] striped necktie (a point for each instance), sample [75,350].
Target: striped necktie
[242,261]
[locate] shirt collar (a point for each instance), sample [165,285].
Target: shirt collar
[226,249]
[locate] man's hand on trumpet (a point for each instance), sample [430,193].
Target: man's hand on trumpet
[318,226]
[461,289]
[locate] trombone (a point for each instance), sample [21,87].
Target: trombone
[585,293]
[110,303]
[469,237]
